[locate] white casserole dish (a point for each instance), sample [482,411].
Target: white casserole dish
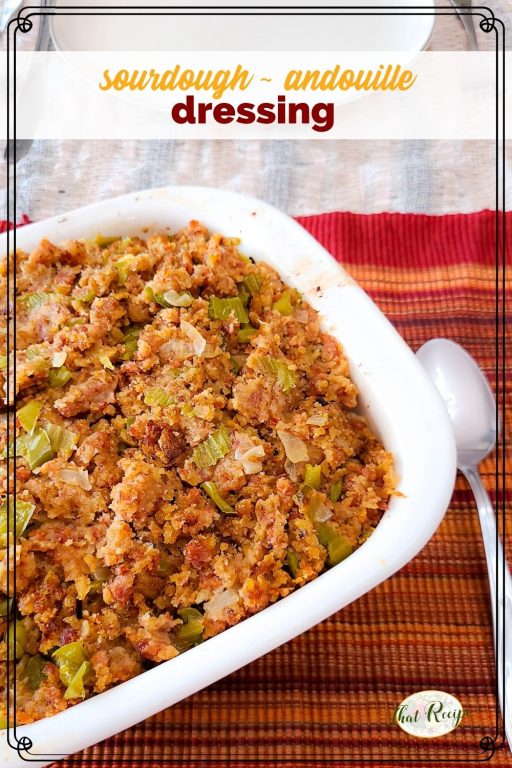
[395,394]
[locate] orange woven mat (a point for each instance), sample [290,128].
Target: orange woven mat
[328,697]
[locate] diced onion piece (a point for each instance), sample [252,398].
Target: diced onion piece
[212,350]
[313,475]
[57,377]
[28,415]
[175,299]
[317,419]
[58,359]
[106,362]
[76,688]
[204,412]
[284,304]
[158,396]
[294,447]
[175,348]
[78,477]
[217,445]
[291,470]
[198,341]
[212,491]
[20,513]
[248,454]
[321,512]
[39,449]
[224,598]
[222,309]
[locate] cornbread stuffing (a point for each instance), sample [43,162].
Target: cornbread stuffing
[183,451]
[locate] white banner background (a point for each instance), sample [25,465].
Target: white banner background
[58,96]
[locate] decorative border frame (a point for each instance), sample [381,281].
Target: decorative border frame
[488,23]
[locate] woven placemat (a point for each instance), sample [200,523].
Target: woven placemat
[328,697]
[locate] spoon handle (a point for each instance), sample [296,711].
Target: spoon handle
[498,574]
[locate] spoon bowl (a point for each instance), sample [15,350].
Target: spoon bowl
[467,396]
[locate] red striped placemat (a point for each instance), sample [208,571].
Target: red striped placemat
[328,697]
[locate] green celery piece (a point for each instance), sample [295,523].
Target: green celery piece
[325,533]
[34,671]
[222,309]
[131,341]
[17,640]
[217,445]
[253,283]
[39,449]
[69,658]
[158,396]
[76,688]
[157,297]
[212,491]
[338,549]
[313,475]
[106,362]
[235,364]
[191,631]
[28,415]
[57,377]
[285,376]
[284,304]
[103,242]
[336,490]
[17,447]
[6,606]
[292,563]
[20,513]
[62,440]
[245,333]
[35,299]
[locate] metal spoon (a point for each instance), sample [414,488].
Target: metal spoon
[463,8]
[472,409]
[19,148]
